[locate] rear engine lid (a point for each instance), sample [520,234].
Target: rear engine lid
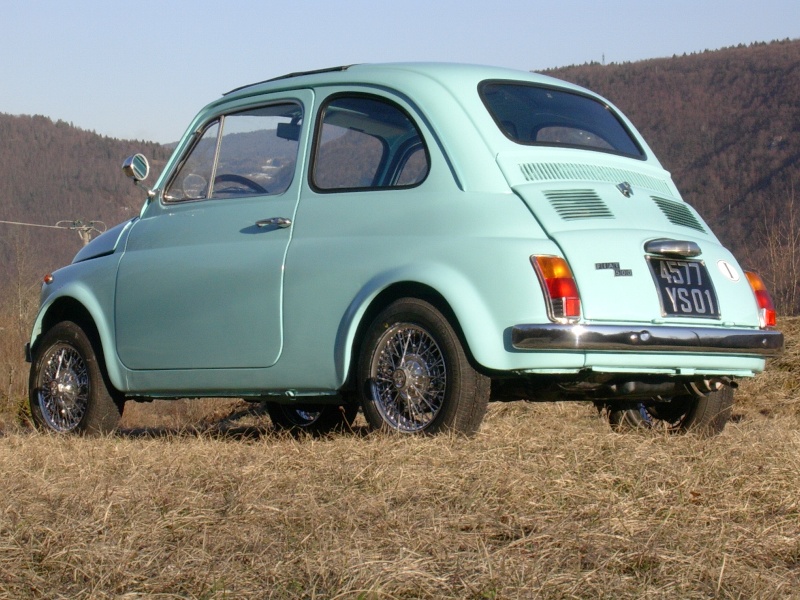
[637,251]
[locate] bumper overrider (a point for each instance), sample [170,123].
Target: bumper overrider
[621,338]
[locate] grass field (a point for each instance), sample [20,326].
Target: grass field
[545,502]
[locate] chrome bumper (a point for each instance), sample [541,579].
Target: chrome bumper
[619,338]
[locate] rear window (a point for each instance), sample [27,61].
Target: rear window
[537,115]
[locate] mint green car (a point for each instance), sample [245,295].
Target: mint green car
[410,240]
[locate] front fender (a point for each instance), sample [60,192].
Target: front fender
[84,291]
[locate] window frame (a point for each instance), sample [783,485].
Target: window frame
[642,155]
[197,136]
[388,162]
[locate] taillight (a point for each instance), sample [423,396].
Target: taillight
[559,286]
[766,309]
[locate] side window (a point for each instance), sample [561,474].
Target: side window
[252,152]
[194,175]
[366,143]
[414,167]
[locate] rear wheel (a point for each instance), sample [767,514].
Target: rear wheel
[67,388]
[316,420]
[414,376]
[706,414]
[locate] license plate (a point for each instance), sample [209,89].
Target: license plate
[684,288]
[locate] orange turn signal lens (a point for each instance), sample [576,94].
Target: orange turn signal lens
[766,309]
[559,285]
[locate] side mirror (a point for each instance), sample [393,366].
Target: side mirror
[136,167]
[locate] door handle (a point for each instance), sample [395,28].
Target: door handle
[280,222]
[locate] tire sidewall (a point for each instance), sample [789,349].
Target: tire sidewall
[102,412]
[706,414]
[421,314]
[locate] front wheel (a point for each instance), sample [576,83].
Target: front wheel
[706,414]
[414,376]
[67,389]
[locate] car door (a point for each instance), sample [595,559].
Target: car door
[200,284]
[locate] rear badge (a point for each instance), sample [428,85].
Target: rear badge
[614,266]
[728,270]
[626,189]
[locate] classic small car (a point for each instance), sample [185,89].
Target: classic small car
[410,240]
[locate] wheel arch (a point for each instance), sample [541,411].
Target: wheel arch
[70,308]
[382,299]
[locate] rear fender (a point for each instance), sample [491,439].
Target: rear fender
[470,307]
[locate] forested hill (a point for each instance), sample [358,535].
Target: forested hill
[726,123]
[52,171]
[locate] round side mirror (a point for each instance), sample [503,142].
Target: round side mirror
[136,167]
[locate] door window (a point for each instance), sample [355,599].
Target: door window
[246,153]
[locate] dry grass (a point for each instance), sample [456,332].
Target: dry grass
[545,502]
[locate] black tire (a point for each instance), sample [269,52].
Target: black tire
[68,392]
[315,420]
[706,414]
[413,375]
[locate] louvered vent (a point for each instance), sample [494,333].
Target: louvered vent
[678,214]
[573,205]
[578,171]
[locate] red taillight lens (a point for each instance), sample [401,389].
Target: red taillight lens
[766,309]
[559,285]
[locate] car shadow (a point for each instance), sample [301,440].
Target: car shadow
[230,427]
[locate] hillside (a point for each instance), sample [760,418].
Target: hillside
[52,171]
[725,123]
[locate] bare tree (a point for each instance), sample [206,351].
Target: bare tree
[18,304]
[778,235]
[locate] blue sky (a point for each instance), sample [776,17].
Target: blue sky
[142,69]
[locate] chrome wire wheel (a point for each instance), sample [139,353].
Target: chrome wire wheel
[307,417]
[408,377]
[68,389]
[63,390]
[705,414]
[314,419]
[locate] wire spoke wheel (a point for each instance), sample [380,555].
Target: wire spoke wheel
[312,419]
[63,390]
[706,414]
[414,375]
[409,377]
[68,389]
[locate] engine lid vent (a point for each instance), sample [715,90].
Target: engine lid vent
[574,205]
[678,213]
[588,172]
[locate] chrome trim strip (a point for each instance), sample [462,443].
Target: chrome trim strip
[616,338]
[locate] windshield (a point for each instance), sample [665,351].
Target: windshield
[535,115]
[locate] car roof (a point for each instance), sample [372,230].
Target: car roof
[447,75]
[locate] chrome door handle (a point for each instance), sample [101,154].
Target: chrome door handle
[280,222]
